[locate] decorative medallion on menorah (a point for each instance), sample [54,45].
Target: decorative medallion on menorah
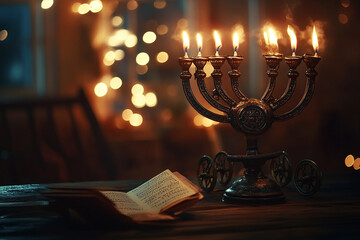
[252,117]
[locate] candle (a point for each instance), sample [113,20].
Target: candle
[315,42]
[235,43]
[186,44]
[199,43]
[217,43]
[293,41]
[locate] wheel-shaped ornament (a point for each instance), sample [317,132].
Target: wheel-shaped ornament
[223,167]
[281,170]
[206,174]
[307,177]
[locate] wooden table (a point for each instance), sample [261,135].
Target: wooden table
[333,213]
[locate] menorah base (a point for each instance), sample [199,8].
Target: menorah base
[253,188]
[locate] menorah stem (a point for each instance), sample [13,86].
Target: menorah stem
[293,62]
[311,62]
[217,62]
[251,145]
[273,62]
[185,76]
[200,75]
[234,74]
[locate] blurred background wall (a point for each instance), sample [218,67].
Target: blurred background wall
[124,55]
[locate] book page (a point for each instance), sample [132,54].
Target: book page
[160,191]
[123,203]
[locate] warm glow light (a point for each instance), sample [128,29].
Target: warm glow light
[162,29]
[182,23]
[235,43]
[137,89]
[3,35]
[141,69]
[207,122]
[356,165]
[186,44]
[217,43]
[132,5]
[271,41]
[126,114]
[136,120]
[131,41]
[349,160]
[116,21]
[119,37]
[159,4]
[84,8]
[198,120]
[46,4]
[108,61]
[142,58]
[119,55]
[96,6]
[100,89]
[208,69]
[315,42]
[199,43]
[149,37]
[293,41]
[115,83]
[138,101]
[151,99]
[343,18]
[110,56]
[162,57]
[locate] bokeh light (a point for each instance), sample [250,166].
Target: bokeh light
[149,37]
[119,54]
[349,160]
[162,29]
[356,164]
[100,89]
[115,83]
[132,5]
[46,4]
[138,101]
[162,57]
[198,120]
[136,120]
[343,18]
[142,58]
[141,69]
[345,3]
[159,4]
[182,23]
[137,89]
[208,69]
[126,114]
[95,6]
[84,8]
[131,41]
[75,7]
[151,99]
[3,35]
[116,21]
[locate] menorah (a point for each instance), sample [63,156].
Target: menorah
[250,116]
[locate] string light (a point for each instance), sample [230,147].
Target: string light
[46,4]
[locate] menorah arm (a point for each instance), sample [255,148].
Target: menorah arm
[309,90]
[286,96]
[236,89]
[198,107]
[204,92]
[269,90]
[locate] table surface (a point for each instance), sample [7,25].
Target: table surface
[333,213]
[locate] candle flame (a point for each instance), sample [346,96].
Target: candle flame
[271,40]
[293,41]
[315,42]
[235,43]
[186,43]
[217,43]
[199,43]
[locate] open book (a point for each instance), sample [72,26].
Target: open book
[160,198]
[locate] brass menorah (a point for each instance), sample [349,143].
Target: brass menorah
[250,116]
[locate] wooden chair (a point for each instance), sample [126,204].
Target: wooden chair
[52,139]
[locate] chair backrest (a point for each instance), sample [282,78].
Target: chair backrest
[52,139]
